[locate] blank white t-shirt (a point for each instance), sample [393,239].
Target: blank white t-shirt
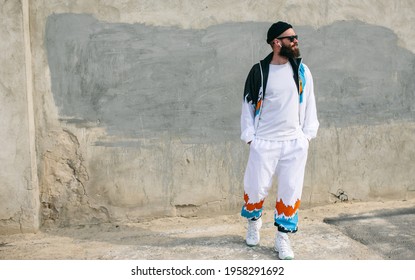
[279,120]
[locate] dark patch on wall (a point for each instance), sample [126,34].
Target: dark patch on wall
[361,74]
[144,81]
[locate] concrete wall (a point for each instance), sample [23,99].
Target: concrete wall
[137,103]
[19,193]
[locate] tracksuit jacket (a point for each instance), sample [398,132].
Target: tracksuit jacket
[254,92]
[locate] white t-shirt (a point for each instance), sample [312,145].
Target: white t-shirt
[279,120]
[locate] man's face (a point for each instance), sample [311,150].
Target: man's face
[289,44]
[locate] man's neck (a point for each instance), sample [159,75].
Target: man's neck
[278,60]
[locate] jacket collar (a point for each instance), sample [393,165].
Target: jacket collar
[295,63]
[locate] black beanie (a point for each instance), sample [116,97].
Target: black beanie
[276,30]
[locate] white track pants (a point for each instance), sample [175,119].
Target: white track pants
[286,160]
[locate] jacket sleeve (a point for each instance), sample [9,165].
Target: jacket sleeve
[248,109]
[311,123]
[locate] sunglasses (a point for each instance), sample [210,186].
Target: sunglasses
[291,38]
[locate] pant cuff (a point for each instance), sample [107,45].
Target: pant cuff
[284,229]
[255,214]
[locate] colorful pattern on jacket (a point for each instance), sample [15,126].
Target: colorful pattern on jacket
[301,81]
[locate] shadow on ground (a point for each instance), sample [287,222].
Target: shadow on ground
[390,233]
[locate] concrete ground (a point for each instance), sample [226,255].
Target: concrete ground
[340,231]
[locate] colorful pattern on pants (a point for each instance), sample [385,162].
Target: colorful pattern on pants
[286,217]
[251,210]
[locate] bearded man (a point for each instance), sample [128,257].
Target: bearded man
[278,120]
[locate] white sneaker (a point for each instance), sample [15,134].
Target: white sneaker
[283,246]
[252,235]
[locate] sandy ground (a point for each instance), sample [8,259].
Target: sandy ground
[181,238]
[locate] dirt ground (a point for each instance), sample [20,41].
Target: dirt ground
[208,238]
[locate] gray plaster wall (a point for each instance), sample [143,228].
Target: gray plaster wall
[19,194]
[137,104]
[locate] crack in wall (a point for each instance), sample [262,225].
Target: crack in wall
[64,196]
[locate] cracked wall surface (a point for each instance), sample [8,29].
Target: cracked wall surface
[137,103]
[64,199]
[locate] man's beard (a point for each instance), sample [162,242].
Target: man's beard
[289,52]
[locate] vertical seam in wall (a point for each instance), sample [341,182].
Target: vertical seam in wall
[34,184]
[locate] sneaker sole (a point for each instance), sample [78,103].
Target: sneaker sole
[252,245]
[286,258]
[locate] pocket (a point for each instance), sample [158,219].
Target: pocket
[306,141]
[251,145]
